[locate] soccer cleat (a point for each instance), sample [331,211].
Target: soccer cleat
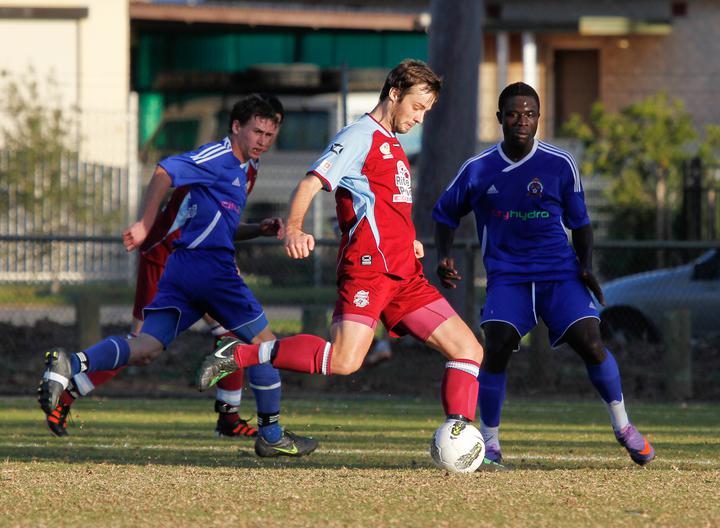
[55,379]
[57,420]
[289,445]
[489,465]
[239,427]
[493,453]
[219,364]
[636,444]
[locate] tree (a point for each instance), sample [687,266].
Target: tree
[450,130]
[41,185]
[641,149]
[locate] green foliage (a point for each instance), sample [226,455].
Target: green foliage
[42,178]
[638,148]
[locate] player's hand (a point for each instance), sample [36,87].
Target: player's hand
[593,285]
[273,227]
[418,249]
[298,244]
[447,272]
[134,236]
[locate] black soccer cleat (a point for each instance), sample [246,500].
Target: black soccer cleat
[238,428]
[289,445]
[229,423]
[57,420]
[55,379]
[219,364]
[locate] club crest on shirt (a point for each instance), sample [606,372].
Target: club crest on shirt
[362,299]
[385,150]
[337,148]
[535,188]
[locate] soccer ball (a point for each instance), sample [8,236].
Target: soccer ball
[458,447]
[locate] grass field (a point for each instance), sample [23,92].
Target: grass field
[155,463]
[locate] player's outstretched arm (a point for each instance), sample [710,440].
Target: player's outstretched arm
[269,227]
[582,240]
[297,243]
[446,271]
[159,185]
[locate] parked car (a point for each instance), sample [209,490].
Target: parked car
[636,305]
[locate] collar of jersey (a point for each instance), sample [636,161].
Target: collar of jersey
[382,128]
[514,164]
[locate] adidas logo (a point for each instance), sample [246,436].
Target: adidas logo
[492,190]
[592,305]
[236,182]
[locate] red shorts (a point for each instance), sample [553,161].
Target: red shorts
[148,276]
[405,306]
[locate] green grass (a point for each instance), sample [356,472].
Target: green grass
[155,463]
[122,293]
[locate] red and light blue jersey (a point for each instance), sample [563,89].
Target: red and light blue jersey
[367,167]
[216,184]
[521,210]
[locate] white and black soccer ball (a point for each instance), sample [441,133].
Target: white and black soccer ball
[458,447]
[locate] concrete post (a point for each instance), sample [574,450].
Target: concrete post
[677,360]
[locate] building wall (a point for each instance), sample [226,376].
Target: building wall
[89,62]
[684,64]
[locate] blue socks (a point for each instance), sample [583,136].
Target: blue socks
[108,354]
[606,379]
[264,380]
[491,397]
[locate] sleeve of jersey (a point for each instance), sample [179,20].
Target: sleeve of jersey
[184,171]
[345,156]
[575,213]
[455,202]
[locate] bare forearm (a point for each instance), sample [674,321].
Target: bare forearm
[300,202]
[159,185]
[582,240]
[444,237]
[247,231]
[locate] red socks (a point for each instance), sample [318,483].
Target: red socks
[233,382]
[299,353]
[460,387]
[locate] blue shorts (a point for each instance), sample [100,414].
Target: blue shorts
[196,282]
[558,303]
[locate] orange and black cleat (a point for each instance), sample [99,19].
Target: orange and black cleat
[57,420]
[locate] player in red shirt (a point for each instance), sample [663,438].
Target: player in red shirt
[379,273]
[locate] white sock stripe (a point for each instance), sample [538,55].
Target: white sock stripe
[83,384]
[231,397]
[465,367]
[326,358]
[219,330]
[265,351]
[117,354]
[266,387]
[53,376]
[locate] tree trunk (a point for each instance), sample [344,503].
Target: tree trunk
[450,130]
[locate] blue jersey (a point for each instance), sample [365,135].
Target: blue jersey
[210,213]
[521,210]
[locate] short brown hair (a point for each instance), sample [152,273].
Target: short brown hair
[409,73]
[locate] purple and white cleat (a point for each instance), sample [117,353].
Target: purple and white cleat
[636,444]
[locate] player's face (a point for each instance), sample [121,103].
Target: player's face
[255,137]
[519,120]
[410,111]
